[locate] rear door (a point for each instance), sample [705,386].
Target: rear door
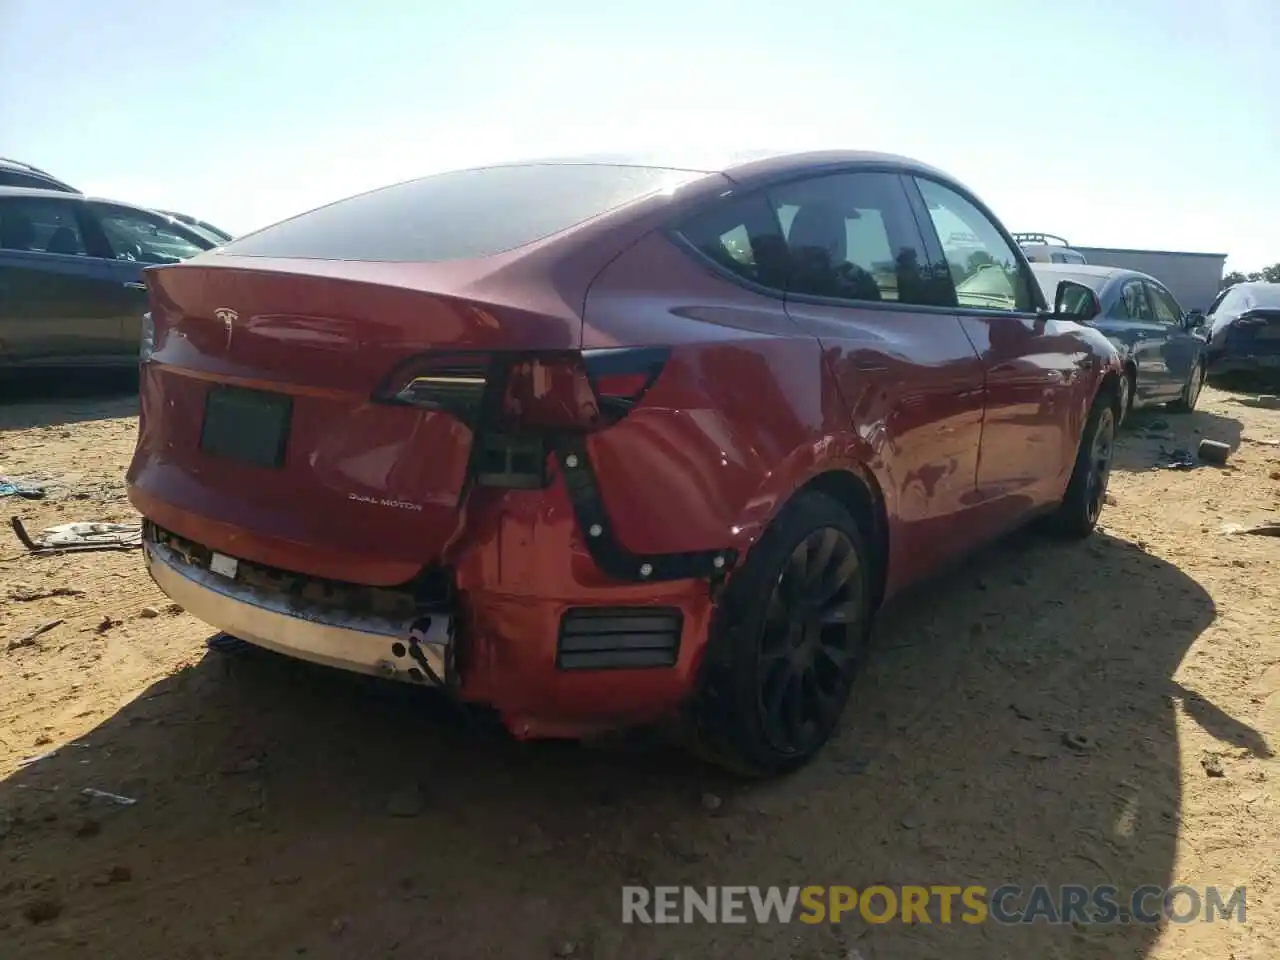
[59,298]
[1033,364]
[1182,348]
[861,281]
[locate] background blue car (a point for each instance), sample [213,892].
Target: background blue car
[1163,346]
[72,292]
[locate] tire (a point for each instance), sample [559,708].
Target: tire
[1080,509]
[1128,387]
[1190,390]
[780,658]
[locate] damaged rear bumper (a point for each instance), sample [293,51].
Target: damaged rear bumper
[415,648]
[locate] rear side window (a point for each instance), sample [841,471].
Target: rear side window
[741,235]
[459,215]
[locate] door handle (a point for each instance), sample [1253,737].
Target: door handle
[869,366]
[134,285]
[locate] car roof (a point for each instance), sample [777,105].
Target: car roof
[741,164]
[8,163]
[1105,274]
[63,195]
[40,192]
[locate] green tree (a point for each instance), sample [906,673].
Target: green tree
[1269,274]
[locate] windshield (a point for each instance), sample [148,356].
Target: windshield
[459,215]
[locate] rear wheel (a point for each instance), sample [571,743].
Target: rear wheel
[787,640]
[1190,396]
[1087,490]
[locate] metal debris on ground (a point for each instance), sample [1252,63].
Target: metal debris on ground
[25,593]
[113,797]
[1078,742]
[79,537]
[10,487]
[1211,451]
[1264,401]
[1177,459]
[1270,528]
[29,639]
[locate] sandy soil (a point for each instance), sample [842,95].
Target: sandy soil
[1051,713]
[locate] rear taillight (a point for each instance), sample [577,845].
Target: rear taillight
[453,383]
[564,391]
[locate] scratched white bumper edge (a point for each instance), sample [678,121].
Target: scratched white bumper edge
[361,644]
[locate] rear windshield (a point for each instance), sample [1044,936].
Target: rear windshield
[1263,296]
[455,216]
[1049,280]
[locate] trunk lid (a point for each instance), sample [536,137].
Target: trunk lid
[1256,332]
[259,420]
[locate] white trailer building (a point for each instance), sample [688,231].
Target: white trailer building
[1194,278]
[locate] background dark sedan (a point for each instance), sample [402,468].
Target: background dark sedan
[1162,345]
[71,286]
[1243,327]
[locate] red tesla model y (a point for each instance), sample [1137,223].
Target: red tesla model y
[603,444]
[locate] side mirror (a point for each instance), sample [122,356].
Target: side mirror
[1193,319]
[1075,301]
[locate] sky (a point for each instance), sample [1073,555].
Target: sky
[1143,123]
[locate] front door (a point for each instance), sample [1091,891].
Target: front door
[1131,319]
[1034,365]
[1180,349]
[135,239]
[58,303]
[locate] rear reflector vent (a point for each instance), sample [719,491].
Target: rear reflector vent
[610,638]
[517,462]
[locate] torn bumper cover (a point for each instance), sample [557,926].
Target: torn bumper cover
[417,648]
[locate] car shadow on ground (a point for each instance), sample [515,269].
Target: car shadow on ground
[53,398]
[1017,725]
[1151,438]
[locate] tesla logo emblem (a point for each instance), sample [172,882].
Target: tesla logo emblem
[227,317]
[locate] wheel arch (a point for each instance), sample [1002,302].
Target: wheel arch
[850,482]
[860,494]
[1109,387]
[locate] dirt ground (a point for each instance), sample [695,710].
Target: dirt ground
[1089,713]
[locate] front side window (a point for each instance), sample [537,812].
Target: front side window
[1166,308]
[853,237]
[40,225]
[135,236]
[986,270]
